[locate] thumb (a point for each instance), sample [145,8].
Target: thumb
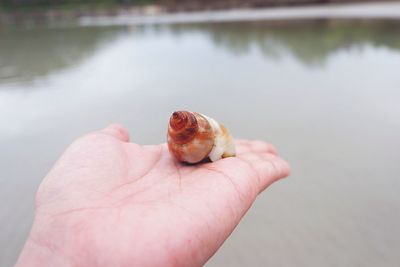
[117,131]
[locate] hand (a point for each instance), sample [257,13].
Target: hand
[108,202]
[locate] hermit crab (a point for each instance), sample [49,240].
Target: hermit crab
[193,137]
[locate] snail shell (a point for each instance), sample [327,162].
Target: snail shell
[193,137]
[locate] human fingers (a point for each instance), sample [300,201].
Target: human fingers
[241,141]
[269,167]
[244,146]
[262,147]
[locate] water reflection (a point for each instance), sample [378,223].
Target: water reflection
[26,53]
[311,42]
[336,123]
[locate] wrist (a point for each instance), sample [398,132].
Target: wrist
[40,250]
[35,254]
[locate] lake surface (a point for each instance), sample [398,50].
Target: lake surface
[326,93]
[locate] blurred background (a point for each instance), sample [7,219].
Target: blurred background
[318,79]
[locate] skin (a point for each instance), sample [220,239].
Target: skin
[109,202]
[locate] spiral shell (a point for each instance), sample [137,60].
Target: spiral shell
[193,137]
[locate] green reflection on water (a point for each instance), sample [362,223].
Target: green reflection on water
[29,53]
[26,54]
[310,41]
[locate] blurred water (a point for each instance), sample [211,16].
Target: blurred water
[326,93]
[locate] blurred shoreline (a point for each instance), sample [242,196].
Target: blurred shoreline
[385,10]
[164,14]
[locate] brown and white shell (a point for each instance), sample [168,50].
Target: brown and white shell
[193,137]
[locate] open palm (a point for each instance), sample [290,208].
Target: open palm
[108,202]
